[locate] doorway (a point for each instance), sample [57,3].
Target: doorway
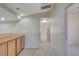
[44,31]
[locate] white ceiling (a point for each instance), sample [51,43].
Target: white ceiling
[74,8]
[8,16]
[8,10]
[26,8]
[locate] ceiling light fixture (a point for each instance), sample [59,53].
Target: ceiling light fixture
[19,17]
[2,18]
[21,14]
[44,21]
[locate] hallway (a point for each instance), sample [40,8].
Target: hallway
[36,25]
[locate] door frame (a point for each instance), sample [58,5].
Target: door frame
[66,24]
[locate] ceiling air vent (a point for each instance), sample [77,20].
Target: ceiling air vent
[45,5]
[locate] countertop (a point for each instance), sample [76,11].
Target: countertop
[8,37]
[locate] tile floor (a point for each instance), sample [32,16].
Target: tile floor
[45,49]
[73,51]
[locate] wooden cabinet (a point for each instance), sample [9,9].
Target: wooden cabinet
[22,42]
[11,46]
[18,45]
[3,49]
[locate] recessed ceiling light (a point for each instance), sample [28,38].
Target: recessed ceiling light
[21,14]
[2,18]
[44,21]
[19,17]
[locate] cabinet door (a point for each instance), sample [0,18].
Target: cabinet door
[22,42]
[3,49]
[18,45]
[12,48]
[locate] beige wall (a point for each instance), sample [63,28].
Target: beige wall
[58,25]
[73,29]
[8,28]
